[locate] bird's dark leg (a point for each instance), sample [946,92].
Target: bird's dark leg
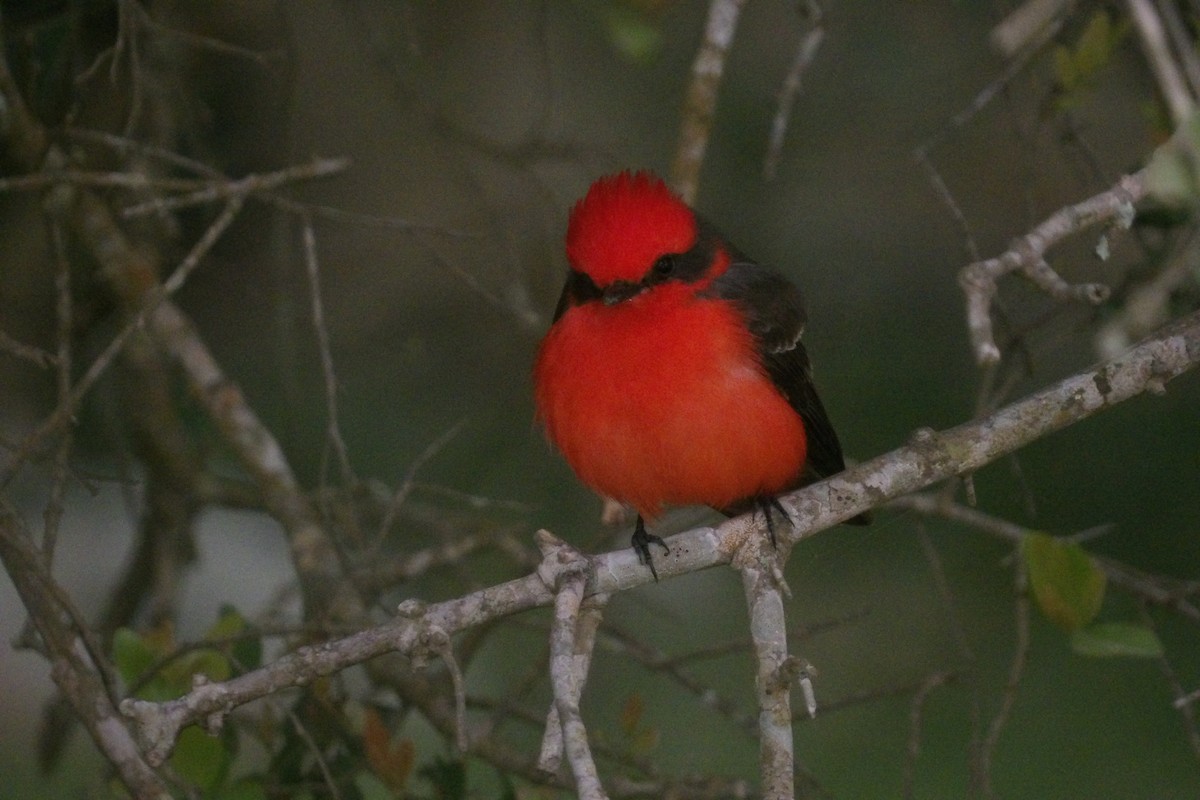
[768,506]
[641,542]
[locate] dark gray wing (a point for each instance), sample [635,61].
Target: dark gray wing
[774,311]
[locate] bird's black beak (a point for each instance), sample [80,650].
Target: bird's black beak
[620,291]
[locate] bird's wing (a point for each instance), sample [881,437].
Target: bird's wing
[774,312]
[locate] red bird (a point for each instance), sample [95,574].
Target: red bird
[673,373]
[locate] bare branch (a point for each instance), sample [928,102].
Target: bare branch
[762,583]
[1026,24]
[79,676]
[333,429]
[700,104]
[1016,671]
[24,134]
[571,640]
[1148,305]
[1150,589]
[1187,714]
[1028,256]
[34,355]
[916,714]
[1171,83]
[132,273]
[929,458]
[212,191]
[806,51]
[1182,44]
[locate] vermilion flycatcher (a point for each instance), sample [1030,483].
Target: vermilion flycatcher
[673,373]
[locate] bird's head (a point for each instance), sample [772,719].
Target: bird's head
[628,233]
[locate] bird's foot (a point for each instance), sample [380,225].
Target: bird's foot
[641,542]
[769,506]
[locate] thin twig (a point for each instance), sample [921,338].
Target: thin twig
[916,714]
[947,198]
[99,232]
[241,187]
[26,352]
[1187,713]
[806,51]
[333,430]
[1028,255]
[564,570]
[1023,29]
[408,481]
[700,103]
[1016,672]
[1151,589]
[762,584]
[656,660]
[1182,43]
[65,318]
[1157,49]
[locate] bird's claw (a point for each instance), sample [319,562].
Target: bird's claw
[641,542]
[769,505]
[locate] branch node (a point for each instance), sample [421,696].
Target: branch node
[922,437]
[412,608]
[796,670]
[560,561]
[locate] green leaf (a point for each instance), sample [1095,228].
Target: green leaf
[1066,582]
[371,788]
[1064,69]
[633,35]
[1109,639]
[1095,44]
[229,623]
[213,664]
[508,788]
[448,778]
[200,759]
[246,653]
[245,789]
[1171,174]
[132,655]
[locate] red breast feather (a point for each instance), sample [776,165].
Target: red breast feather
[661,401]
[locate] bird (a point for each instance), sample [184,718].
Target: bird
[673,372]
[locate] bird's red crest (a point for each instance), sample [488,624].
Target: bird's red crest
[625,222]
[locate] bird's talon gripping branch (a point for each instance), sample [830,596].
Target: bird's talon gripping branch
[641,541]
[768,506]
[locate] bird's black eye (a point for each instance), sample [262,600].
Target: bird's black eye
[664,267]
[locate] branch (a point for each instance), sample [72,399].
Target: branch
[1162,62]
[572,636]
[1150,588]
[700,104]
[929,458]
[1028,256]
[806,51]
[77,673]
[763,584]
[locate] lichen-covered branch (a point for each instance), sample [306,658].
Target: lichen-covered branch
[762,583]
[1027,255]
[75,672]
[929,458]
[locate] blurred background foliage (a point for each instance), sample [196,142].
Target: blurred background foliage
[471,127]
